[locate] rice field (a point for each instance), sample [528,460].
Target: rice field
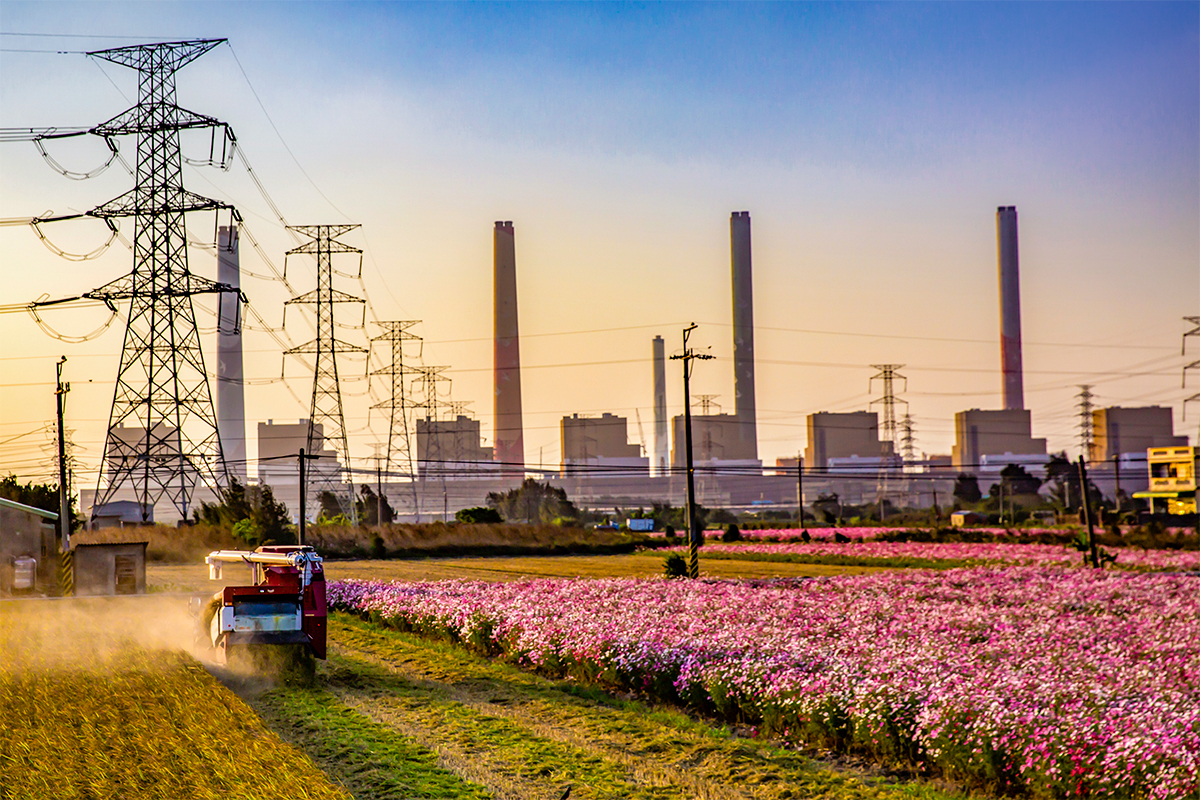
[96,705]
[1040,681]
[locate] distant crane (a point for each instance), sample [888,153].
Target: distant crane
[641,433]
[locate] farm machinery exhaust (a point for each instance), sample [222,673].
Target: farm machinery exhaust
[275,624]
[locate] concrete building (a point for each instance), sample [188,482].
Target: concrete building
[452,448]
[1120,431]
[110,568]
[715,438]
[279,446]
[853,434]
[743,335]
[1172,480]
[509,430]
[660,462]
[1010,308]
[230,393]
[601,443]
[27,533]
[994,438]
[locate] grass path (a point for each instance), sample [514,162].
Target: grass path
[526,737]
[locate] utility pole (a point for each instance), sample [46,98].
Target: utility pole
[687,357]
[1116,458]
[64,496]
[326,407]
[800,488]
[1093,555]
[303,493]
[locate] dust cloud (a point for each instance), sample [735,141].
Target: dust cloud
[92,633]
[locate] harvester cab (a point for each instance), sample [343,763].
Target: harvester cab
[282,611]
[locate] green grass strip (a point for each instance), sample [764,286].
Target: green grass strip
[369,759]
[601,742]
[899,562]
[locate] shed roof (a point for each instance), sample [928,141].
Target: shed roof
[28,509]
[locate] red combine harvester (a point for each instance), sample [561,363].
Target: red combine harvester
[282,612]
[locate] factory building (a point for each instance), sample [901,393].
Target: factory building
[452,448]
[716,440]
[837,437]
[991,439]
[279,446]
[600,444]
[1121,431]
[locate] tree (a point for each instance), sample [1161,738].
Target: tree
[828,507]
[368,507]
[251,512]
[478,515]
[38,495]
[1017,480]
[533,502]
[966,488]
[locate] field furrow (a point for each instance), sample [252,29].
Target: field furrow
[525,736]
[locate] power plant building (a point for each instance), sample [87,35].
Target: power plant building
[716,440]
[1121,431]
[600,443]
[279,446]
[837,437]
[230,391]
[452,448]
[994,438]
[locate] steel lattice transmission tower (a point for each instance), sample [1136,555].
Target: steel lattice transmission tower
[326,408]
[888,429]
[1087,433]
[399,442]
[908,449]
[162,430]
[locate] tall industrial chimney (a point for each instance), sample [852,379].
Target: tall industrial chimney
[509,434]
[231,401]
[1010,307]
[661,452]
[743,332]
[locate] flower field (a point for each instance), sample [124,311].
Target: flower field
[972,552]
[1052,682]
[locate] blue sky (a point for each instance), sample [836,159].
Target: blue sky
[870,142]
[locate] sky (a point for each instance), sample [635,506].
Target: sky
[871,144]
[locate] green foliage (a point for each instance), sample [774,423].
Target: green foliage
[966,488]
[37,495]
[731,534]
[369,507]
[251,512]
[669,532]
[675,566]
[481,515]
[533,502]
[828,507]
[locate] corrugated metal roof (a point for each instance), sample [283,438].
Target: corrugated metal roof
[28,509]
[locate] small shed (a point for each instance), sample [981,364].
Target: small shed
[961,519]
[27,533]
[110,568]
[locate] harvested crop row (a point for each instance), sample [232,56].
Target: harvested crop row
[151,724]
[1050,681]
[527,737]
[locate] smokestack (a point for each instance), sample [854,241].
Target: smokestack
[661,446]
[231,401]
[1010,307]
[509,434]
[743,332]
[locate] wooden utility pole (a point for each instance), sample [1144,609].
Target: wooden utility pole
[1093,555]
[800,488]
[64,496]
[687,356]
[1117,492]
[303,492]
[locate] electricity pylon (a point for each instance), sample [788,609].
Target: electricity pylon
[887,427]
[326,408]
[397,404]
[1087,433]
[162,429]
